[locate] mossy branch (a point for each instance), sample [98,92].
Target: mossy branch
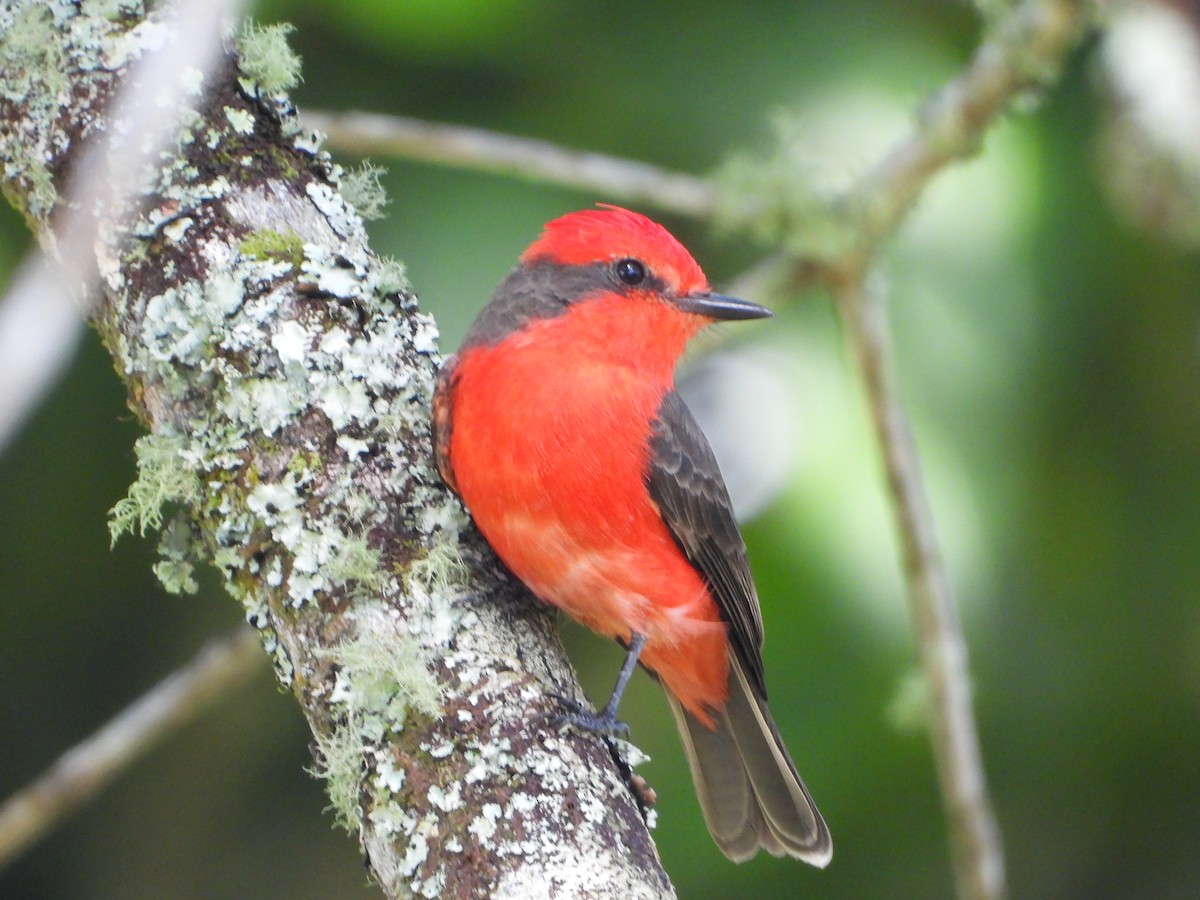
[284,373]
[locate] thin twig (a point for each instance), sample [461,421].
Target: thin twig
[1026,51]
[491,151]
[1024,55]
[90,765]
[975,837]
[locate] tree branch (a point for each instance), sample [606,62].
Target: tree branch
[1026,52]
[284,374]
[974,834]
[87,767]
[616,179]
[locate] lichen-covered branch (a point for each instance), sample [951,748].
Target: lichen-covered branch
[283,373]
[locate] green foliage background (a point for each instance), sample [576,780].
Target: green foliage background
[1049,351]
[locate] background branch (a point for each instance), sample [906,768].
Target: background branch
[620,180]
[1025,54]
[974,835]
[90,765]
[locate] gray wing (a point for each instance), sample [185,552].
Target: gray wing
[685,481]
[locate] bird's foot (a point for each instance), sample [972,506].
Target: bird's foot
[603,722]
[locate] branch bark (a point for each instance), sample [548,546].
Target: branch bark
[284,376]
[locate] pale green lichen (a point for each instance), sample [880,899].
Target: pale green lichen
[267,58]
[177,576]
[340,761]
[441,569]
[177,549]
[164,476]
[774,196]
[356,561]
[362,189]
[278,246]
[393,277]
[381,681]
[382,678]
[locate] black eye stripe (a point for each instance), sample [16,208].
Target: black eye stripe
[542,290]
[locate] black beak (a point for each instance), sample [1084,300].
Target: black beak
[718,306]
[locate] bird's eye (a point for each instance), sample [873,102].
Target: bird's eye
[630,271]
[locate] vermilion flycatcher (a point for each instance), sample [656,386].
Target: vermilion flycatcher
[558,425]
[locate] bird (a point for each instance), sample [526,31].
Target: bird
[558,425]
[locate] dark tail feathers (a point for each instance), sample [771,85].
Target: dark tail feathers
[748,787]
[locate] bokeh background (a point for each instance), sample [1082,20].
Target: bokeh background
[1049,347]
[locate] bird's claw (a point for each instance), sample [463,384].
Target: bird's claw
[604,722]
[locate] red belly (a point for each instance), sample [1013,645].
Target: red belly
[556,483]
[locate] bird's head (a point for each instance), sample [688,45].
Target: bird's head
[610,277]
[638,256]
[640,252]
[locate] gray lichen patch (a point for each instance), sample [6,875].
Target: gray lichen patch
[286,375]
[40,44]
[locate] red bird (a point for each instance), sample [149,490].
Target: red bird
[558,425]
